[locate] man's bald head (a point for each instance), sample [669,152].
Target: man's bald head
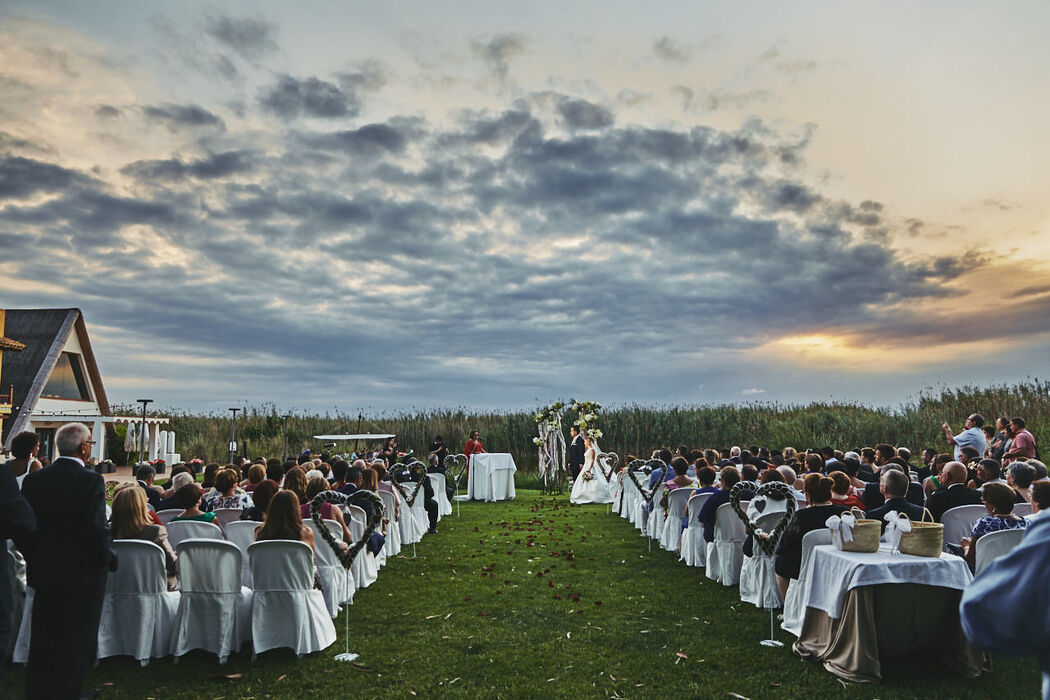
[955,471]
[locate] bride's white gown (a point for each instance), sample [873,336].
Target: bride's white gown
[596,490]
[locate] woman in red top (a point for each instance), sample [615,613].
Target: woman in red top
[472,447]
[843,492]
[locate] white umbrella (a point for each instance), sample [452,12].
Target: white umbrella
[131,438]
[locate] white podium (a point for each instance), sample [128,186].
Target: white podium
[491,476]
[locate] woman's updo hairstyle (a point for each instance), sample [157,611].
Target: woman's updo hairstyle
[817,487]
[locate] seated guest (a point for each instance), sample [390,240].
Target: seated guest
[850,466]
[384,485]
[1040,500]
[370,482]
[788,559]
[188,498]
[730,477]
[999,500]
[284,521]
[436,466]
[145,475]
[932,482]
[339,468]
[1019,477]
[1007,608]
[748,472]
[1040,470]
[842,491]
[328,512]
[295,481]
[275,470]
[953,491]
[210,470]
[706,477]
[226,493]
[988,471]
[178,480]
[261,497]
[256,473]
[872,495]
[793,482]
[353,475]
[131,521]
[894,485]
[681,477]
[923,472]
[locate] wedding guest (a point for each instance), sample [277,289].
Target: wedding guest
[210,470]
[972,436]
[988,472]
[328,512]
[178,480]
[792,481]
[1007,608]
[1019,477]
[389,453]
[730,477]
[932,482]
[439,449]
[17,523]
[256,474]
[999,501]
[189,498]
[284,521]
[261,497]
[226,494]
[130,521]
[1040,500]
[953,491]
[385,485]
[1022,443]
[681,479]
[24,447]
[998,444]
[145,475]
[894,485]
[788,558]
[295,481]
[842,491]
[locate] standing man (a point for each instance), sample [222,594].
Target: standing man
[576,452]
[1022,442]
[66,562]
[971,436]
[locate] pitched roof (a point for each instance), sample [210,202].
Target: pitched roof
[44,333]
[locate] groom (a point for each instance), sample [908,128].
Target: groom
[576,452]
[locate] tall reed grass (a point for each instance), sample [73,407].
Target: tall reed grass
[631,429]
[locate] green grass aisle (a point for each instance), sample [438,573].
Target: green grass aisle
[534,597]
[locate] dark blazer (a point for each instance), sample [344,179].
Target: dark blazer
[72,544]
[872,496]
[17,521]
[949,497]
[901,505]
[576,451]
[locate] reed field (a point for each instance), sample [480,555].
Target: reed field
[628,429]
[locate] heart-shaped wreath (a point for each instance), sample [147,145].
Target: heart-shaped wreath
[451,462]
[610,459]
[336,498]
[766,540]
[421,473]
[647,496]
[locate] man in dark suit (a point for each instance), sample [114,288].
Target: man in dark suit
[872,497]
[894,486]
[953,492]
[576,453]
[17,522]
[66,560]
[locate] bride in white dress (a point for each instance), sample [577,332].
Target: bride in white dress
[591,486]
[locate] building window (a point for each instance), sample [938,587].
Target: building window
[67,379]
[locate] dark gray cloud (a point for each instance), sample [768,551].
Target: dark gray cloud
[176,116]
[290,97]
[581,114]
[667,49]
[497,52]
[22,177]
[216,165]
[107,112]
[252,38]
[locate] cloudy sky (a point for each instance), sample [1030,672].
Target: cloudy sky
[488,204]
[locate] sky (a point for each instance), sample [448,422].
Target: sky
[345,205]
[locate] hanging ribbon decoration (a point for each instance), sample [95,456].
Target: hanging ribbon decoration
[896,525]
[842,525]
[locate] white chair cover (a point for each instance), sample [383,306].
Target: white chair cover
[414,521]
[364,568]
[10,579]
[444,505]
[637,512]
[393,530]
[286,610]
[726,554]
[20,653]
[137,609]
[1022,510]
[654,526]
[167,514]
[359,513]
[336,582]
[793,609]
[179,530]
[214,609]
[694,548]
[958,522]
[225,516]
[242,534]
[758,581]
[671,538]
[994,545]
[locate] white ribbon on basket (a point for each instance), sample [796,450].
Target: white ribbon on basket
[896,525]
[842,525]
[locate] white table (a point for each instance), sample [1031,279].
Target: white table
[491,476]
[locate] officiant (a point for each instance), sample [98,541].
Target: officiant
[576,452]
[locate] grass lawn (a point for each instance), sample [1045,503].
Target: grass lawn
[532,598]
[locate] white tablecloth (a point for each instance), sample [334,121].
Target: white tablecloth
[831,574]
[491,476]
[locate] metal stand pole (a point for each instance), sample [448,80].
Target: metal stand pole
[771,642]
[346,655]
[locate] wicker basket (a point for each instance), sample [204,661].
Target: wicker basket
[866,534]
[926,539]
